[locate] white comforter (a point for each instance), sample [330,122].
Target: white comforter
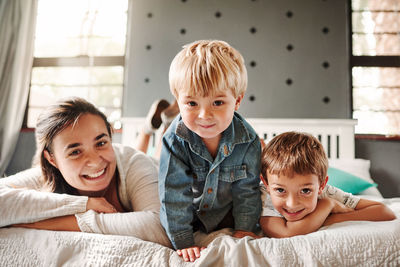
[342,244]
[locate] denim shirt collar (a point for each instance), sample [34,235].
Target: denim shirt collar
[236,133]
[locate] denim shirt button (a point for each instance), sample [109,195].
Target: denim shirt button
[209,190]
[205,206]
[226,150]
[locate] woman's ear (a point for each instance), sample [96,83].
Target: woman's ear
[50,158]
[238,101]
[322,185]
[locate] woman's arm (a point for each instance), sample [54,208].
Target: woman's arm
[138,193]
[366,210]
[20,204]
[64,223]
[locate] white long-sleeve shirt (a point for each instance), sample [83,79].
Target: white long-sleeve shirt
[21,202]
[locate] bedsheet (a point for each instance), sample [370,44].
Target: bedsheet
[342,244]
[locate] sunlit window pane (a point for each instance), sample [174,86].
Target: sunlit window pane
[81,27]
[376,100]
[102,86]
[375,5]
[369,122]
[79,51]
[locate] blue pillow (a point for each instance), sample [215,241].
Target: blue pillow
[347,181]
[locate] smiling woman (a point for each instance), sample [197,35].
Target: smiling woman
[86,183]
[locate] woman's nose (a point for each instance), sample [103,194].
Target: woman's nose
[92,159]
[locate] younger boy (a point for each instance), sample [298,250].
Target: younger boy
[210,159]
[296,198]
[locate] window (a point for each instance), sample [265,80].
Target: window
[375,64]
[79,50]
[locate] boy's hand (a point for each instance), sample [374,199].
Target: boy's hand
[191,253]
[339,207]
[240,234]
[100,204]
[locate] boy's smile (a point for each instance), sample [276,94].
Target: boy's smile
[294,197]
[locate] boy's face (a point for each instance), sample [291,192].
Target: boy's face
[208,116]
[294,197]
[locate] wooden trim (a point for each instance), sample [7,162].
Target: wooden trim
[81,61]
[375,61]
[378,137]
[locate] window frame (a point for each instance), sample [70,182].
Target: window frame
[367,61]
[79,61]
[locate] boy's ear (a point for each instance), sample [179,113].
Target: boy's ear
[238,101]
[322,185]
[49,158]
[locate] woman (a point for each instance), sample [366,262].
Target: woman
[84,183]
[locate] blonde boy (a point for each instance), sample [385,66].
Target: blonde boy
[296,198]
[210,159]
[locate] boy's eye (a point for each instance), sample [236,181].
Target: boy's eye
[306,191]
[192,103]
[280,190]
[218,103]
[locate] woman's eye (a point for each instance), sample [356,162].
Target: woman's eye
[102,143]
[218,103]
[75,153]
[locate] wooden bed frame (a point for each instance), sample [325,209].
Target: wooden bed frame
[336,135]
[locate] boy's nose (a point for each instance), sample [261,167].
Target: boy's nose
[291,201]
[205,113]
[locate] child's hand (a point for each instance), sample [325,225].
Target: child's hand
[100,204]
[191,253]
[339,207]
[240,234]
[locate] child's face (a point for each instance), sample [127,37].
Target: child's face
[84,155]
[208,116]
[294,197]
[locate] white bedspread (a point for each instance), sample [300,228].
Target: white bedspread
[342,244]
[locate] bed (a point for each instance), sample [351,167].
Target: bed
[343,244]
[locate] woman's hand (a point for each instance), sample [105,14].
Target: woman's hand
[100,205]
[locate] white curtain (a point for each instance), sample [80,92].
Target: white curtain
[17,28]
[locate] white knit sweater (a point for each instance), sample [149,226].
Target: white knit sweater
[21,202]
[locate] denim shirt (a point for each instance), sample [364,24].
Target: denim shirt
[194,186]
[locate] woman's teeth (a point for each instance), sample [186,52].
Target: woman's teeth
[95,175]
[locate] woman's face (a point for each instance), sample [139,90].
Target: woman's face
[84,155]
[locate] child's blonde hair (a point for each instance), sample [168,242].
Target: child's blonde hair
[294,152]
[206,67]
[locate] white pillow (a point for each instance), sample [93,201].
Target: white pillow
[357,167]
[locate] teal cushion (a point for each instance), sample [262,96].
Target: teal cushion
[347,181]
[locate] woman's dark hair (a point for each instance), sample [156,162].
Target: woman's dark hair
[51,122]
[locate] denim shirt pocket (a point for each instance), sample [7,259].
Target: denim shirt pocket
[232,174]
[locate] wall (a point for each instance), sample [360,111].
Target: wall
[385,167]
